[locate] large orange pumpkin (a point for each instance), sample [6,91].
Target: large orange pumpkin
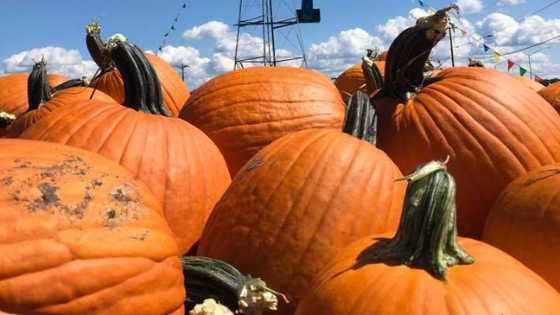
[551,94]
[181,165]
[493,127]
[242,111]
[532,84]
[297,202]
[175,91]
[13,96]
[81,235]
[525,222]
[42,102]
[425,269]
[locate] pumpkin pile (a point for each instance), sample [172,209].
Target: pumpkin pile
[275,190]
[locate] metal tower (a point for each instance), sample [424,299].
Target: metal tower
[268,32]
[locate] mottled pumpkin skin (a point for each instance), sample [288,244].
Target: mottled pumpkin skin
[64,97]
[175,91]
[244,110]
[494,284]
[13,93]
[350,81]
[492,132]
[182,167]
[296,203]
[551,94]
[525,222]
[80,235]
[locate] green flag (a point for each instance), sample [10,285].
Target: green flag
[173,27]
[522,71]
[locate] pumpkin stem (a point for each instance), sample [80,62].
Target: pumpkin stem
[96,47]
[142,89]
[38,89]
[207,278]
[361,118]
[372,74]
[427,233]
[407,56]
[6,119]
[72,83]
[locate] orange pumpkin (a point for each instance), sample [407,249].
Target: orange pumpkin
[297,202]
[183,168]
[525,222]
[424,268]
[81,236]
[532,84]
[551,94]
[243,111]
[488,123]
[175,91]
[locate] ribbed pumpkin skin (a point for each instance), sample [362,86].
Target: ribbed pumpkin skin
[494,284]
[536,86]
[61,98]
[297,202]
[350,81]
[175,91]
[81,236]
[182,167]
[525,222]
[551,94]
[242,111]
[492,132]
[13,93]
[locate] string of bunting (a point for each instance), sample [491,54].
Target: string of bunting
[172,28]
[485,47]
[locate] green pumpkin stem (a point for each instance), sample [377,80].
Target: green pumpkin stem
[207,278]
[38,89]
[407,56]
[6,119]
[96,47]
[427,233]
[361,118]
[72,83]
[142,89]
[372,74]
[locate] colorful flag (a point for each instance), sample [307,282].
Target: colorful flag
[173,27]
[538,79]
[496,57]
[510,64]
[486,48]
[421,3]
[463,32]
[522,71]
[431,11]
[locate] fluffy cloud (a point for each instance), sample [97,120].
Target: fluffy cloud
[59,60]
[470,6]
[506,31]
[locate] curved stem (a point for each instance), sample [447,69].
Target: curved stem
[71,83]
[38,89]
[212,278]
[427,233]
[141,84]
[96,47]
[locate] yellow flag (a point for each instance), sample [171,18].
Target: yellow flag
[496,57]
[431,11]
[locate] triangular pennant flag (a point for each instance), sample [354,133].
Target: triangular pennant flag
[463,32]
[431,11]
[496,57]
[486,48]
[184,5]
[510,64]
[166,34]
[159,49]
[421,3]
[176,19]
[538,79]
[522,71]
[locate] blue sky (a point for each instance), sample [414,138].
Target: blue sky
[205,32]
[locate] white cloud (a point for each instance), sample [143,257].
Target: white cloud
[213,29]
[506,31]
[59,60]
[505,3]
[470,6]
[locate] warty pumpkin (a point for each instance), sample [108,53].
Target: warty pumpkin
[183,168]
[243,111]
[41,101]
[175,92]
[297,202]
[525,222]
[424,269]
[489,124]
[551,94]
[80,235]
